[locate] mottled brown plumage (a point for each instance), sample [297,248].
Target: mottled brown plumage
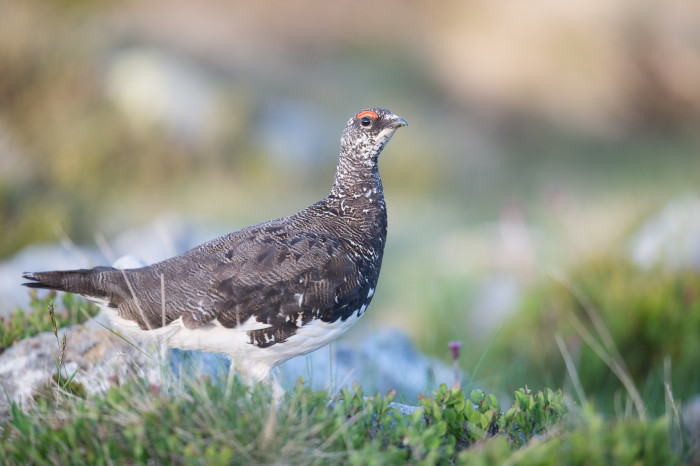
[318,267]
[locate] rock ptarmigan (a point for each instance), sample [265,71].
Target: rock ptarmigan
[269,292]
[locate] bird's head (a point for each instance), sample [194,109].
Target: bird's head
[367,133]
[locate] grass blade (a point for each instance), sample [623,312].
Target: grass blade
[129,342]
[483,356]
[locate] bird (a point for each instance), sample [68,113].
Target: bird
[269,292]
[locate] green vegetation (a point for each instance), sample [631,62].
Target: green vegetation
[61,378]
[611,316]
[203,422]
[22,324]
[196,420]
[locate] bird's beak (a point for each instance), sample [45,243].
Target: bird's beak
[388,131]
[398,123]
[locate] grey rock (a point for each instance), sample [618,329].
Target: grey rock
[100,357]
[403,409]
[383,361]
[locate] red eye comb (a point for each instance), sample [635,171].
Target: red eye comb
[367,113]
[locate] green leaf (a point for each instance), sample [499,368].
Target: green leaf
[477,396]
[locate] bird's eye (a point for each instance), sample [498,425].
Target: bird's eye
[365,121]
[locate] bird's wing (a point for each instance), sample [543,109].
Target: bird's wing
[280,276]
[287,281]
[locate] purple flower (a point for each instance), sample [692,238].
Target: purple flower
[454,347]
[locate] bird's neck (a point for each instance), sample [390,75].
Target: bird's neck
[357,196]
[355,178]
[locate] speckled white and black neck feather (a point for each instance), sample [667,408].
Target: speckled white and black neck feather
[271,291]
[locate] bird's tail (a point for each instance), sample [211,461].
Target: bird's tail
[87,282]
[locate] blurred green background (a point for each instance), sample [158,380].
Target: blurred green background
[542,134]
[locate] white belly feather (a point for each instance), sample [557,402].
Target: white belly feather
[257,363]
